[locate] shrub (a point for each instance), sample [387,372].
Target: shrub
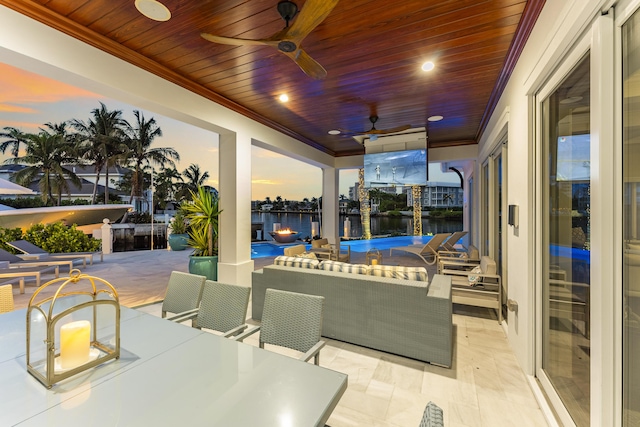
[10,235]
[57,237]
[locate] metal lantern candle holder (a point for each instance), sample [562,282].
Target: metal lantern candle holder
[75,329]
[373,257]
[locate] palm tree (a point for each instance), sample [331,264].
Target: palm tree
[167,183]
[139,154]
[194,179]
[46,153]
[14,138]
[448,198]
[103,137]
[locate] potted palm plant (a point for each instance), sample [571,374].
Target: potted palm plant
[202,213]
[178,238]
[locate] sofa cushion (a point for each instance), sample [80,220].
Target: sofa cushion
[487,265]
[406,273]
[290,261]
[343,267]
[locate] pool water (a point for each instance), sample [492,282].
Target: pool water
[269,249]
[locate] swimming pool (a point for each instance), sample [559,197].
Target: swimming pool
[269,249]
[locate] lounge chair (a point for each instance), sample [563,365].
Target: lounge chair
[450,243]
[428,252]
[24,272]
[29,248]
[16,262]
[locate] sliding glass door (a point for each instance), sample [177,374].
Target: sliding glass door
[566,198]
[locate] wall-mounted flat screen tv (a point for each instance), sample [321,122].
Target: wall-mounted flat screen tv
[574,158]
[396,168]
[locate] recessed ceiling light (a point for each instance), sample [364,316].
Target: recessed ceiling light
[283,97]
[153,9]
[334,132]
[435,118]
[428,66]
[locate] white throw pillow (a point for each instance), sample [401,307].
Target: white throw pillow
[307,255]
[474,277]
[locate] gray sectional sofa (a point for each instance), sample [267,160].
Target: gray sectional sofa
[405,317]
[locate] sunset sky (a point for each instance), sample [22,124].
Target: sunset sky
[28,100]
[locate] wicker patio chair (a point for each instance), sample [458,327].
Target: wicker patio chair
[184,292]
[432,416]
[291,320]
[223,308]
[6,298]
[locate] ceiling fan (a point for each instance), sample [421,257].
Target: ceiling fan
[373,132]
[288,40]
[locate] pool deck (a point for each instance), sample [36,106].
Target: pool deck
[141,277]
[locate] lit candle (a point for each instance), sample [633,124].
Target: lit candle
[374,261]
[74,343]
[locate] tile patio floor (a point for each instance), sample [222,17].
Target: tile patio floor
[484,387]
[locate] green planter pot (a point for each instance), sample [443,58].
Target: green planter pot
[204,266]
[178,242]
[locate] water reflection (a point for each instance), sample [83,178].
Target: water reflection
[380,225]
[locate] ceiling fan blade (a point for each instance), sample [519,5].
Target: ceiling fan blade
[307,64]
[311,15]
[385,131]
[238,42]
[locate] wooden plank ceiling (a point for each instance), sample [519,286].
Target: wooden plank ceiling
[372,51]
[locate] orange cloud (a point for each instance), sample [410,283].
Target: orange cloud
[9,108]
[264,182]
[28,127]
[19,87]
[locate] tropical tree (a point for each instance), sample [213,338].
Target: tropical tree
[167,183]
[139,153]
[46,153]
[13,139]
[102,136]
[195,179]
[447,198]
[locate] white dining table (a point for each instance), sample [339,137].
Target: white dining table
[168,374]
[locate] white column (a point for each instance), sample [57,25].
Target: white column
[107,236]
[234,260]
[330,218]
